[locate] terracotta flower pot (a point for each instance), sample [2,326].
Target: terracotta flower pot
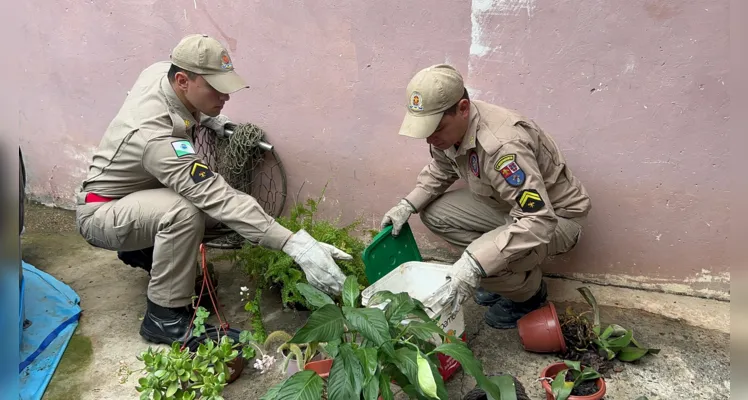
[552,370]
[540,331]
[235,366]
[321,367]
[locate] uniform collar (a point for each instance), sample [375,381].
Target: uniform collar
[468,141]
[177,105]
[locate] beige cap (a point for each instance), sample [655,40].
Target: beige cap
[430,92]
[206,56]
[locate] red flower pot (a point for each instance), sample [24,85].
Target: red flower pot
[552,370]
[540,331]
[322,367]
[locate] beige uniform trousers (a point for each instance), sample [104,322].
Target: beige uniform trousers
[158,218]
[458,218]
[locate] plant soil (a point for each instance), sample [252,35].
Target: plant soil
[579,346]
[585,388]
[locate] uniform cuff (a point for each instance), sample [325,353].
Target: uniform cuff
[418,198]
[486,254]
[275,237]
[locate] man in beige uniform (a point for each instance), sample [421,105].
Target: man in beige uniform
[522,203]
[146,187]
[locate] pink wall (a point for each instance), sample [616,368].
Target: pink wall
[634,92]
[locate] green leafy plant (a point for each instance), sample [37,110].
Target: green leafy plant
[616,341]
[274,268]
[392,340]
[562,387]
[178,373]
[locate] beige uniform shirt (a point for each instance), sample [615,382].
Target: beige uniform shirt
[149,145]
[510,163]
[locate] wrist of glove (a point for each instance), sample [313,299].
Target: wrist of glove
[464,277]
[317,260]
[217,124]
[397,216]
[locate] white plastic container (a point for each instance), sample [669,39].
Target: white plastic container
[425,282]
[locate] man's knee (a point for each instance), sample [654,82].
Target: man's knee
[185,213]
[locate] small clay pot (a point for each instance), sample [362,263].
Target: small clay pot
[235,366]
[321,367]
[540,331]
[552,370]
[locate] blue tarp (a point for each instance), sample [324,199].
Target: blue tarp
[53,309]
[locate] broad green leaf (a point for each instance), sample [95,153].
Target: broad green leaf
[589,374]
[272,393]
[157,395]
[399,308]
[333,347]
[425,330]
[577,365]
[324,325]
[506,386]
[370,322]
[621,341]
[561,389]
[629,354]
[303,385]
[384,387]
[590,298]
[315,297]
[425,378]
[346,376]
[460,352]
[405,360]
[172,389]
[371,389]
[350,291]
[368,358]
[608,331]
[651,351]
[381,297]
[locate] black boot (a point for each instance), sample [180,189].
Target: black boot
[166,325]
[138,258]
[504,315]
[483,297]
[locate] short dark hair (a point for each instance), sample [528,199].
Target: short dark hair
[173,72]
[453,110]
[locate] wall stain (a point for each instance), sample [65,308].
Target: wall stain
[661,10]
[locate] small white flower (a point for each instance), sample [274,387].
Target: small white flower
[264,364]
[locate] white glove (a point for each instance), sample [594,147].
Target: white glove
[217,124]
[397,216]
[464,277]
[317,261]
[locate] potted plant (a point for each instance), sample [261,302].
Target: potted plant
[570,380]
[572,335]
[202,366]
[274,269]
[367,348]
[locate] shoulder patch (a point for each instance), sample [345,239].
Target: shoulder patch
[183,148]
[200,172]
[474,164]
[529,200]
[509,169]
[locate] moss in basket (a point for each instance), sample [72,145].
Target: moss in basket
[274,268]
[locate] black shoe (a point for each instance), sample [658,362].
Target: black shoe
[483,297]
[138,258]
[505,315]
[166,325]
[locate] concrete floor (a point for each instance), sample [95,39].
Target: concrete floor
[693,334]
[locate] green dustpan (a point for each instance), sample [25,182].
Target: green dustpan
[385,252]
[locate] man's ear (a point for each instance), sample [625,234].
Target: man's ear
[181,80]
[464,108]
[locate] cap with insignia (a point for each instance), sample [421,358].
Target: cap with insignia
[206,56]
